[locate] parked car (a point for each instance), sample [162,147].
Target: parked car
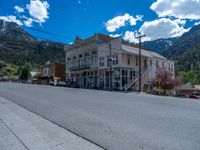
[62,83]
[196,94]
[193,97]
[73,84]
[154,92]
[182,95]
[51,82]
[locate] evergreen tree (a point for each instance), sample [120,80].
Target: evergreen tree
[25,71]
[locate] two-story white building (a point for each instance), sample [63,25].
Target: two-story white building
[104,62]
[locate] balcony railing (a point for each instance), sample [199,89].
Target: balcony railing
[80,67]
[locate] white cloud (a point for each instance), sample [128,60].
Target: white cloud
[28,22]
[120,21]
[114,35]
[38,10]
[162,28]
[197,23]
[19,9]
[133,21]
[130,36]
[11,19]
[182,9]
[23,17]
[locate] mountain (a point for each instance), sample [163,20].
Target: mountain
[185,50]
[11,29]
[190,60]
[186,42]
[18,47]
[159,45]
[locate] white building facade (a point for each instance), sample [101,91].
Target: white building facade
[103,62]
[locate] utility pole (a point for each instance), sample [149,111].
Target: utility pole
[110,48]
[140,63]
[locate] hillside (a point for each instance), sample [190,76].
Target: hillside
[11,29]
[159,45]
[185,50]
[19,47]
[186,42]
[190,60]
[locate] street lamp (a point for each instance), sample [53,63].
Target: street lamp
[140,68]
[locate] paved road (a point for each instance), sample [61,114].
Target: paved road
[21,129]
[116,121]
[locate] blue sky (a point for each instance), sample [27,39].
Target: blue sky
[126,18]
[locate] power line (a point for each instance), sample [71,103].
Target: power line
[42,31]
[61,7]
[45,32]
[43,38]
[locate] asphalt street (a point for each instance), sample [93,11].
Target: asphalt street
[21,129]
[115,121]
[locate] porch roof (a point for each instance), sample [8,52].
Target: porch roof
[145,53]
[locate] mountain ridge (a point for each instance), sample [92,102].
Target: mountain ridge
[187,41]
[18,47]
[13,30]
[159,45]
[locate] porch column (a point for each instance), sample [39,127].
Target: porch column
[104,79]
[97,78]
[121,87]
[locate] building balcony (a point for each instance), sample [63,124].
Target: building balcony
[80,67]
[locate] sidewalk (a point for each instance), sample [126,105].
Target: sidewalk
[23,130]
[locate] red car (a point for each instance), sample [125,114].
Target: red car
[193,97]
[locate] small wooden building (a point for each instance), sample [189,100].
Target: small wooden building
[51,72]
[188,89]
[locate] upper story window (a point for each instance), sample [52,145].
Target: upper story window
[129,59]
[46,72]
[80,55]
[145,63]
[163,64]
[52,71]
[69,64]
[115,59]
[136,61]
[108,60]
[156,64]
[151,62]
[172,67]
[101,61]
[94,52]
[87,54]
[75,57]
